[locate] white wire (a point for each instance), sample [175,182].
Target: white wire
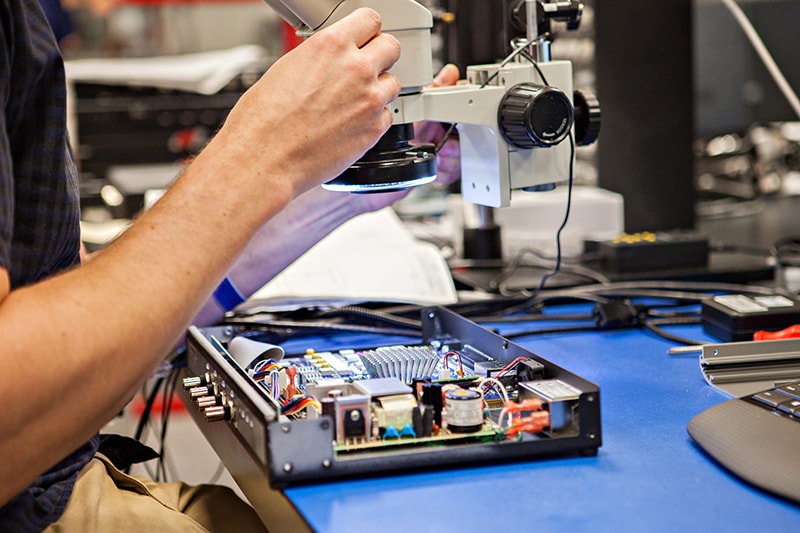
[764,54]
[497,385]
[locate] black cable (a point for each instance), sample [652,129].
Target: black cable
[533,62]
[317,325]
[570,180]
[160,470]
[144,419]
[178,360]
[690,291]
[557,266]
[544,331]
[500,307]
[166,410]
[282,330]
[448,132]
[654,325]
[372,315]
[493,306]
[658,312]
[510,268]
[529,318]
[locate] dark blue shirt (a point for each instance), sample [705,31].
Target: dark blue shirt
[39,206]
[39,203]
[58,17]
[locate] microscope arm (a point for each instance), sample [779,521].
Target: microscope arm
[490,165]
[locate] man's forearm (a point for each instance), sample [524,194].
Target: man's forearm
[301,225]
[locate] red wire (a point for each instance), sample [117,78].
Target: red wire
[460,366]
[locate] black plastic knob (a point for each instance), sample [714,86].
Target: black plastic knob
[533,115]
[587,117]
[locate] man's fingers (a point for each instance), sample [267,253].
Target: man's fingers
[448,75]
[390,86]
[385,48]
[361,25]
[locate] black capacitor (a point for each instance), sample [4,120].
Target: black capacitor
[432,396]
[422,417]
[329,408]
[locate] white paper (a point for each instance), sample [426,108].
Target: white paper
[203,72]
[370,258]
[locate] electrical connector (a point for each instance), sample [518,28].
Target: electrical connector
[615,314]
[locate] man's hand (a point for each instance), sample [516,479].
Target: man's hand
[319,107]
[448,160]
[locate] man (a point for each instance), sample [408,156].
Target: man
[78,341]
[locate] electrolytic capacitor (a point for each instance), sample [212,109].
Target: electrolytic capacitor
[464,410]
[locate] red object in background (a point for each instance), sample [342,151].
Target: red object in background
[138,404]
[792,332]
[290,37]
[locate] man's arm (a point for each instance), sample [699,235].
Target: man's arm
[76,346]
[316,213]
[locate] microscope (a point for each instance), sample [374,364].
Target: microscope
[518,120]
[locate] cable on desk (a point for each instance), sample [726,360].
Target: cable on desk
[654,325]
[615,315]
[498,282]
[362,314]
[690,291]
[371,315]
[489,319]
[284,330]
[550,331]
[614,308]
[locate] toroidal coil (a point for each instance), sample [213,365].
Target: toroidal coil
[464,410]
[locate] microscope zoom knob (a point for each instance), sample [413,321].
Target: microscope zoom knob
[533,115]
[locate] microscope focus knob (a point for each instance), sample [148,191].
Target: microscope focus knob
[587,117]
[533,115]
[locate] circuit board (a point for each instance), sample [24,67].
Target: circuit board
[463,394]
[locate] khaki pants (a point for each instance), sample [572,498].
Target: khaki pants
[107,500]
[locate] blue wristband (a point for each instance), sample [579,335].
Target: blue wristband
[228,296]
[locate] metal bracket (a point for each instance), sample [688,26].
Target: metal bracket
[742,368]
